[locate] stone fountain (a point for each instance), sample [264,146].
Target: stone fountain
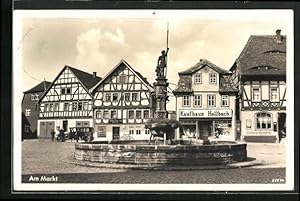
[171,152]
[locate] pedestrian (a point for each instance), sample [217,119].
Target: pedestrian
[52,135]
[61,134]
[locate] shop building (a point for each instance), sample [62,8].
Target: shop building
[122,104]
[260,74]
[205,102]
[30,109]
[67,102]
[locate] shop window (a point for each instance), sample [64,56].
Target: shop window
[127,96]
[197,100]
[263,121]
[186,100]
[101,131]
[138,114]
[27,112]
[211,100]
[274,94]
[146,114]
[225,100]
[105,114]
[256,97]
[198,78]
[213,78]
[98,115]
[113,114]
[131,114]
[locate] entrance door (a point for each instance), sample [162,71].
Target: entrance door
[116,133]
[281,125]
[204,129]
[46,128]
[65,125]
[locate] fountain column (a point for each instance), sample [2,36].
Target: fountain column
[161,98]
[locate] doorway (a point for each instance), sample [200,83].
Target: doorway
[65,125]
[116,133]
[281,125]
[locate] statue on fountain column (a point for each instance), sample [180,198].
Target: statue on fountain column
[161,64]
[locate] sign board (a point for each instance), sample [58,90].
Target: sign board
[197,113]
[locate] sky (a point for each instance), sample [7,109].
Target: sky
[97,41]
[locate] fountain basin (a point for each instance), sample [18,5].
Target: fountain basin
[178,154]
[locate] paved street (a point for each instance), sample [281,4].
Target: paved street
[46,158]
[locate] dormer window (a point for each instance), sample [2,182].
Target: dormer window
[213,78]
[34,97]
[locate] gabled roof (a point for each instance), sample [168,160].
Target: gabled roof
[226,84]
[86,79]
[123,62]
[263,51]
[41,87]
[201,64]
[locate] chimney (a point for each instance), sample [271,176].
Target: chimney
[278,36]
[94,75]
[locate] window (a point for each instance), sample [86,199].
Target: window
[138,131]
[131,131]
[134,96]
[105,114]
[256,94]
[212,78]
[66,106]
[68,90]
[51,107]
[115,96]
[211,100]
[198,78]
[56,107]
[127,96]
[248,124]
[123,79]
[85,105]
[263,121]
[197,100]
[27,128]
[107,97]
[74,106]
[225,100]
[98,115]
[27,112]
[80,106]
[34,97]
[138,114]
[274,94]
[113,114]
[101,131]
[65,91]
[131,114]
[46,108]
[146,114]
[147,131]
[186,100]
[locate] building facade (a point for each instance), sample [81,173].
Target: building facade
[260,74]
[30,109]
[122,104]
[205,102]
[67,102]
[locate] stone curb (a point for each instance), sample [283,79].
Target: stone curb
[178,168]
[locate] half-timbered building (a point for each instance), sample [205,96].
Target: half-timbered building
[260,74]
[67,102]
[122,104]
[205,102]
[30,109]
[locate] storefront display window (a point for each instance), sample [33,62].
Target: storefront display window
[263,121]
